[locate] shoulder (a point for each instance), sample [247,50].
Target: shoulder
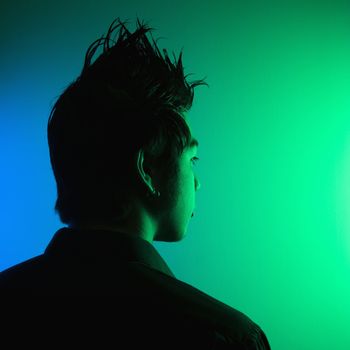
[21,274]
[224,324]
[150,303]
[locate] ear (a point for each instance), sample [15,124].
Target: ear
[144,169]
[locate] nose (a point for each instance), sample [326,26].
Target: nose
[197,184]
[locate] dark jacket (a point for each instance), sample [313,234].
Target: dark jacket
[127,294]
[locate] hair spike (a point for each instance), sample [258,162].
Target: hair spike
[90,53]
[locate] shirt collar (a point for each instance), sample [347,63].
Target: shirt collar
[106,244]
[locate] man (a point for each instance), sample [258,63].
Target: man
[122,153]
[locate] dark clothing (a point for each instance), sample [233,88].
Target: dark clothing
[144,303]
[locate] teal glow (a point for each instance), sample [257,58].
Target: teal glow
[271,231]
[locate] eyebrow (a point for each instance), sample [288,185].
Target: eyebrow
[194,142]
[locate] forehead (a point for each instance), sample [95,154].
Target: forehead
[194,142]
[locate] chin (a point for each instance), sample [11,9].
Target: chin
[169,237]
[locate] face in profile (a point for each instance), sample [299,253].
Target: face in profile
[181,203]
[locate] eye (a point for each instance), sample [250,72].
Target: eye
[194,160]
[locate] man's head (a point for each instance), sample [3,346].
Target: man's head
[120,130]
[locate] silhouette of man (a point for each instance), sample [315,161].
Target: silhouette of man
[122,153]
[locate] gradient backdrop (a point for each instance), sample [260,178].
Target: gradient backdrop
[271,232]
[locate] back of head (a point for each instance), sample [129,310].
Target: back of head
[130,97]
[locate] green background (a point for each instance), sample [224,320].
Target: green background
[271,231]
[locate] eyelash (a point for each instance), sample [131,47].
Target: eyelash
[194,160]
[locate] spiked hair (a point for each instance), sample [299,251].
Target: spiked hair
[130,97]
